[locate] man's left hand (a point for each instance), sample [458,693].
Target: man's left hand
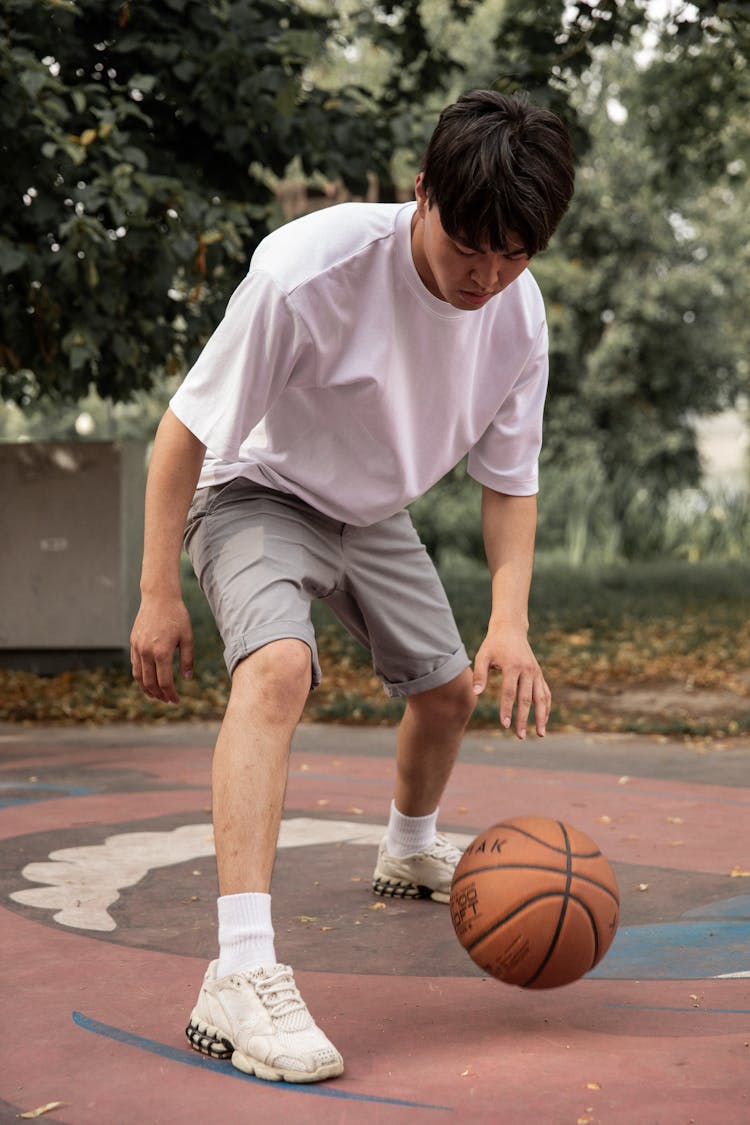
[523,684]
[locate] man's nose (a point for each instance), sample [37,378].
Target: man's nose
[486,272]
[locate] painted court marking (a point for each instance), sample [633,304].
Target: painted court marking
[192,1058]
[82,882]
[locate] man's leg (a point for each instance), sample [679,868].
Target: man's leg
[413,861]
[428,741]
[249,1008]
[269,690]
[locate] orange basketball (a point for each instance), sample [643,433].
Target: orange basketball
[534,902]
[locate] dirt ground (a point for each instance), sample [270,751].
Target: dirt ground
[657,705]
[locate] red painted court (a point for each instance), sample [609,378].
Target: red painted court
[108,919]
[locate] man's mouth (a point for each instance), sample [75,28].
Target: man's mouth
[472,298]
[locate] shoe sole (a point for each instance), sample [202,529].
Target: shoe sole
[394,888]
[209,1041]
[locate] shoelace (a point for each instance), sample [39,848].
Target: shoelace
[444,849]
[279,993]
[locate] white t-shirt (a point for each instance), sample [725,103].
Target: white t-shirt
[336,375]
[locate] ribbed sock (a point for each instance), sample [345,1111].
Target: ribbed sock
[245,933]
[410,834]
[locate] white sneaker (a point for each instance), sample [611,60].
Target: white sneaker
[260,1021]
[426,874]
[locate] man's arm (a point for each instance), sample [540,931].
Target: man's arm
[163,624]
[509,529]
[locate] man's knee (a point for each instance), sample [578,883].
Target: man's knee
[279,675]
[452,704]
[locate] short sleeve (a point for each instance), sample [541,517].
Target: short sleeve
[506,457]
[259,348]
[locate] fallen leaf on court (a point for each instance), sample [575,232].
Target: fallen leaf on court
[584,1121]
[737,872]
[324,928]
[306,918]
[355,810]
[623,780]
[676,843]
[322,801]
[643,886]
[41,1110]
[604,820]
[355,878]
[468,1073]
[462,809]
[377,906]
[593,1085]
[675,820]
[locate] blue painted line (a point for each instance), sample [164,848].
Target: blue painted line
[738,907]
[192,1058]
[38,791]
[688,950]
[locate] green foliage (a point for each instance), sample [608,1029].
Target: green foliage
[642,289]
[141,143]
[704,53]
[136,138]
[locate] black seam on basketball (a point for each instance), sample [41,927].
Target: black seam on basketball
[594,930]
[561,916]
[540,840]
[535,867]
[508,917]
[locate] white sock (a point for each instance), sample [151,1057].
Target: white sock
[410,834]
[245,933]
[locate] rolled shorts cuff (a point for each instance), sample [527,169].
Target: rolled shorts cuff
[277,631]
[448,671]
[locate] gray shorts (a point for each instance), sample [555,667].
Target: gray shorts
[263,556]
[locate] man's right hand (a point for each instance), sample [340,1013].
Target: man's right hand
[161,627]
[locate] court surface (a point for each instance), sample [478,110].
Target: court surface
[108,919]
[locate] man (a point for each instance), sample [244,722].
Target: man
[369,348]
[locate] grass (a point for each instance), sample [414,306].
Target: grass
[606,636]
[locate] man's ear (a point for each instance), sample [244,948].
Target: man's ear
[420,194]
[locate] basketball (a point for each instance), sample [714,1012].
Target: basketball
[534,902]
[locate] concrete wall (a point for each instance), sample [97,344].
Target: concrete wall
[71,538]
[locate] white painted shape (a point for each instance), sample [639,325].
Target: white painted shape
[82,882]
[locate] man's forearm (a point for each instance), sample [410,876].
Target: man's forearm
[509,529]
[173,474]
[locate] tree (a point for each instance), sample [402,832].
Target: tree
[137,142]
[646,287]
[418,55]
[140,144]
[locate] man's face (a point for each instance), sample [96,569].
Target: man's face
[465,277]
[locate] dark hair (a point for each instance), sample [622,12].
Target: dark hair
[495,165]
